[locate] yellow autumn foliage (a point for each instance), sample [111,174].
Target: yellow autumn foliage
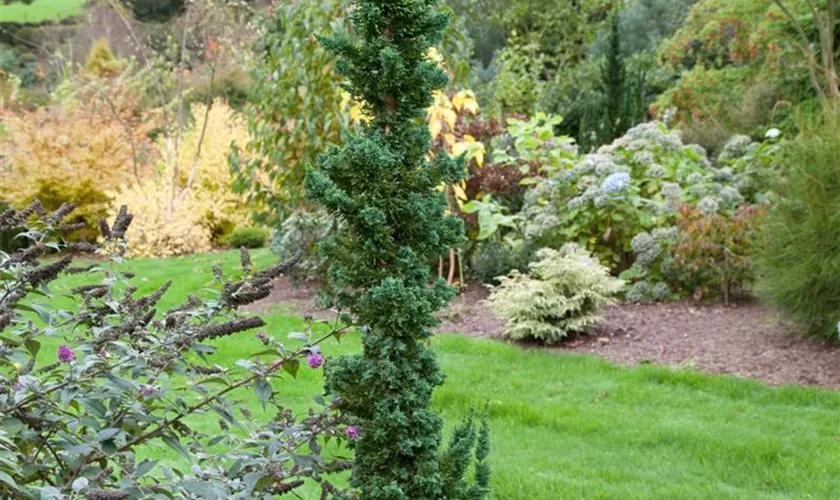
[71,154]
[158,230]
[442,118]
[202,207]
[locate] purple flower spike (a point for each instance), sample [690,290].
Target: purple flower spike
[315,360]
[263,338]
[352,432]
[65,354]
[17,385]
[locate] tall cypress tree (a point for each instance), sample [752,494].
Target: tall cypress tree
[614,85]
[383,188]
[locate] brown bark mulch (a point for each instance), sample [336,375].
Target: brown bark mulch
[747,340]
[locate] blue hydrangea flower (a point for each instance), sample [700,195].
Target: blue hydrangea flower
[618,181]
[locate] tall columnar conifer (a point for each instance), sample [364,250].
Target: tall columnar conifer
[615,86]
[383,188]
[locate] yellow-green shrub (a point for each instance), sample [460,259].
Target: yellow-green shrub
[161,229]
[93,204]
[101,61]
[562,294]
[200,209]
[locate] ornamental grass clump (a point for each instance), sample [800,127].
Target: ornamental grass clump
[129,376]
[798,256]
[382,189]
[561,296]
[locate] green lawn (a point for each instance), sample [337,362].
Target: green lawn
[569,426]
[40,10]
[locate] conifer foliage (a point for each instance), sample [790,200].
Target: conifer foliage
[383,188]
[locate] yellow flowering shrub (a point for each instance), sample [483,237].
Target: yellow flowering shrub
[200,209]
[160,229]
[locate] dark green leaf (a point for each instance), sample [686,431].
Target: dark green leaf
[291,366]
[263,390]
[106,434]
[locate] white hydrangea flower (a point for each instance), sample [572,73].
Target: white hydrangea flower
[709,205]
[730,195]
[671,190]
[601,201]
[646,249]
[656,171]
[576,202]
[694,178]
[660,291]
[735,147]
[80,484]
[723,174]
[773,133]
[698,190]
[638,292]
[664,234]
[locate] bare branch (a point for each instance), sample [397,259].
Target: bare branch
[197,157]
[180,123]
[126,127]
[118,9]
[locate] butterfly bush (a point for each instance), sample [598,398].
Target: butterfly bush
[129,376]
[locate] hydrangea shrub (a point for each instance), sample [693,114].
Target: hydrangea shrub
[382,188]
[637,185]
[560,296]
[127,378]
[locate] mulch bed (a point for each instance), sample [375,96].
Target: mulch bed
[747,340]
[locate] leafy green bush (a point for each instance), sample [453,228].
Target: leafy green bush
[741,66]
[520,81]
[562,295]
[157,11]
[296,107]
[636,184]
[705,255]
[248,237]
[492,258]
[129,378]
[798,258]
[299,235]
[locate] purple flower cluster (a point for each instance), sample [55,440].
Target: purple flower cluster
[65,354]
[314,360]
[352,432]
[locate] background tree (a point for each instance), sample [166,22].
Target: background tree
[296,107]
[383,189]
[157,10]
[614,82]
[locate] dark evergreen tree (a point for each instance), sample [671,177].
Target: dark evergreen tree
[617,116]
[157,11]
[383,188]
